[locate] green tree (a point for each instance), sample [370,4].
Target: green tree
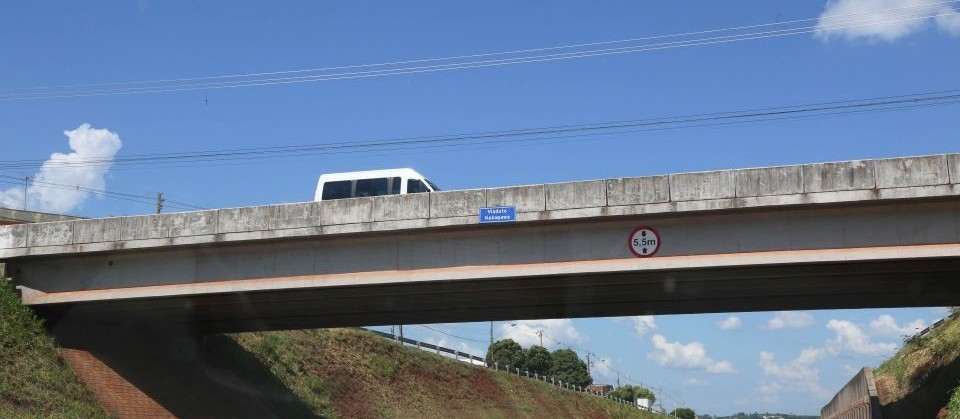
[568,368]
[505,352]
[632,393]
[537,359]
[643,393]
[684,413]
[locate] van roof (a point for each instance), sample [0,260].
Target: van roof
[368,174]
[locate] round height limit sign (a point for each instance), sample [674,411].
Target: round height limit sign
[644,242]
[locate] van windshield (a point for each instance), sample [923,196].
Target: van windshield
[416,186]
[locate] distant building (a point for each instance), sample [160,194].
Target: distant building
[601,389]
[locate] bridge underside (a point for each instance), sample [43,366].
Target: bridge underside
[833,285]
[893,254]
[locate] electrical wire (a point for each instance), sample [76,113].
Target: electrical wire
[450,334]
[473,64]
[109,194]
[513,52]
[856,106]
[605,360]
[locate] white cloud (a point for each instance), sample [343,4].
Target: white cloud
[850,369]
[603,368]
[789,320]
[730,323]
[770,388]
[643,324]
[555,332]
[88,144]
[796,375]
[883,20]
[796,369]
[693,381]
[850,338]
[720,367]
[685,356]
[886,326]
[949,23]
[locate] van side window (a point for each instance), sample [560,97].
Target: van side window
[337,190]
[395,186]
[416,186]
[371,187]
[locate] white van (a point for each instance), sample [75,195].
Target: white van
[371,183]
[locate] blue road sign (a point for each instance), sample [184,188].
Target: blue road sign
[498,214]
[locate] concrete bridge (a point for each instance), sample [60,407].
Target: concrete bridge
[12,216]
[855,234]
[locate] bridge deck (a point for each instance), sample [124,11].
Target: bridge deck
[876,233]
[803,185]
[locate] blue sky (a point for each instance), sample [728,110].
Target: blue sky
[81,43]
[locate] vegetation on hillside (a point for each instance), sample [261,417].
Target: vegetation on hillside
[354,374]
[953,407]
[630,392]
[924,373]
[757,415]
[34,381]
[562,364]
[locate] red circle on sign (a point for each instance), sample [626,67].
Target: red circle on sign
[630,241]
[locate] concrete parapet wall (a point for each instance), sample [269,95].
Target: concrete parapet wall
[856,400]
[923,177]
[12,216]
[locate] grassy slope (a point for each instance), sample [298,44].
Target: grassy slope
[924,373]
[353,374]
[34,381]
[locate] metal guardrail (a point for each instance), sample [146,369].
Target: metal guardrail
[933,326]
[496,366]
[429,346]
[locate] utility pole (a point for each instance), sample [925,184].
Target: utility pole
[540,333]
[491,333]
[588,362]
[401,332]
[160,202]
[660,397]
[25,180]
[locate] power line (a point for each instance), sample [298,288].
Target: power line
[458,57]
[73,189]
[606,361]
[450,334]
[198,83]
[455,66]
[820,109]
[109,194]
[496,144]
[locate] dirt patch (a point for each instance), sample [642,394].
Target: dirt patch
[885,388]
